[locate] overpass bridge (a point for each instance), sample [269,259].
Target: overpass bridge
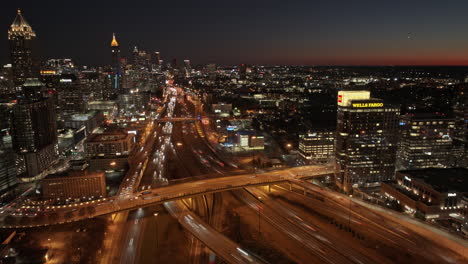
[53,215]
[215,241]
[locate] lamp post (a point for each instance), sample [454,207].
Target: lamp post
[157,236]
[259,207]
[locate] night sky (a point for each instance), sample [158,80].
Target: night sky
[332,32]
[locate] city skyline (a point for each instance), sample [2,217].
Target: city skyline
[196,141]
[332,33]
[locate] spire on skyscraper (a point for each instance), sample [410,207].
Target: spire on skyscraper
[23,53]
[114,42]
[21,27]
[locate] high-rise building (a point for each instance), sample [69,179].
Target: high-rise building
[116,69]
[70,96]
[34,132]
[366,140]
[425,141]
[157,58]
[23,54]
[242,71]
[7,155]
[187,68]
[318,146]
[8,177]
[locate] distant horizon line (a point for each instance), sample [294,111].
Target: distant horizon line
[286,64]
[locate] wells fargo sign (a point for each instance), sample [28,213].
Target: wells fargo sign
[366,105]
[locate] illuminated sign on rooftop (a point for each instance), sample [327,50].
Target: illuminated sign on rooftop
[367,105]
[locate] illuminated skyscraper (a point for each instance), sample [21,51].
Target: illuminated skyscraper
[116,69]
[187,68]
[23,55]
[157,58]
[34,131]
[366,140]
[426,141]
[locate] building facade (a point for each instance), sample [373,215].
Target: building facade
[366,140]
[318,146]
[75,185]
[425,142]
[116,69]
[435,193]
[8,177]
[109,143]
[34,135]
[90,120]
[23,53]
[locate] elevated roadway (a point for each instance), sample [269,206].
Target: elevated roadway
[221,245]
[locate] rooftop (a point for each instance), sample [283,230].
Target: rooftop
[426,116]
[20,23]
[442,180]
[75,174]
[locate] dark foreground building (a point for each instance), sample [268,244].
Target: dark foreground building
[34,131]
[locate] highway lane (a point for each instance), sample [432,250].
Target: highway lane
[340,245]
[113,236]
[222,246]
[132,240]
[317,246]
[383,228]
[155,152]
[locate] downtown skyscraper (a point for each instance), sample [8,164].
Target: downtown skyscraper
[34,131]
[116,67]
[33,122]
[366,140]
[23,53]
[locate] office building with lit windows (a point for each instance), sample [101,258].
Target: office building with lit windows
[425,141]
[75,184]
[366,140]
[34,130]
[110,143]
[116,67]
[318,145]
[109,150]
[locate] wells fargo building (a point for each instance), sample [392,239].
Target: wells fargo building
[366,140]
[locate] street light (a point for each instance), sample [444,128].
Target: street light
[157,236]
[259,207]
